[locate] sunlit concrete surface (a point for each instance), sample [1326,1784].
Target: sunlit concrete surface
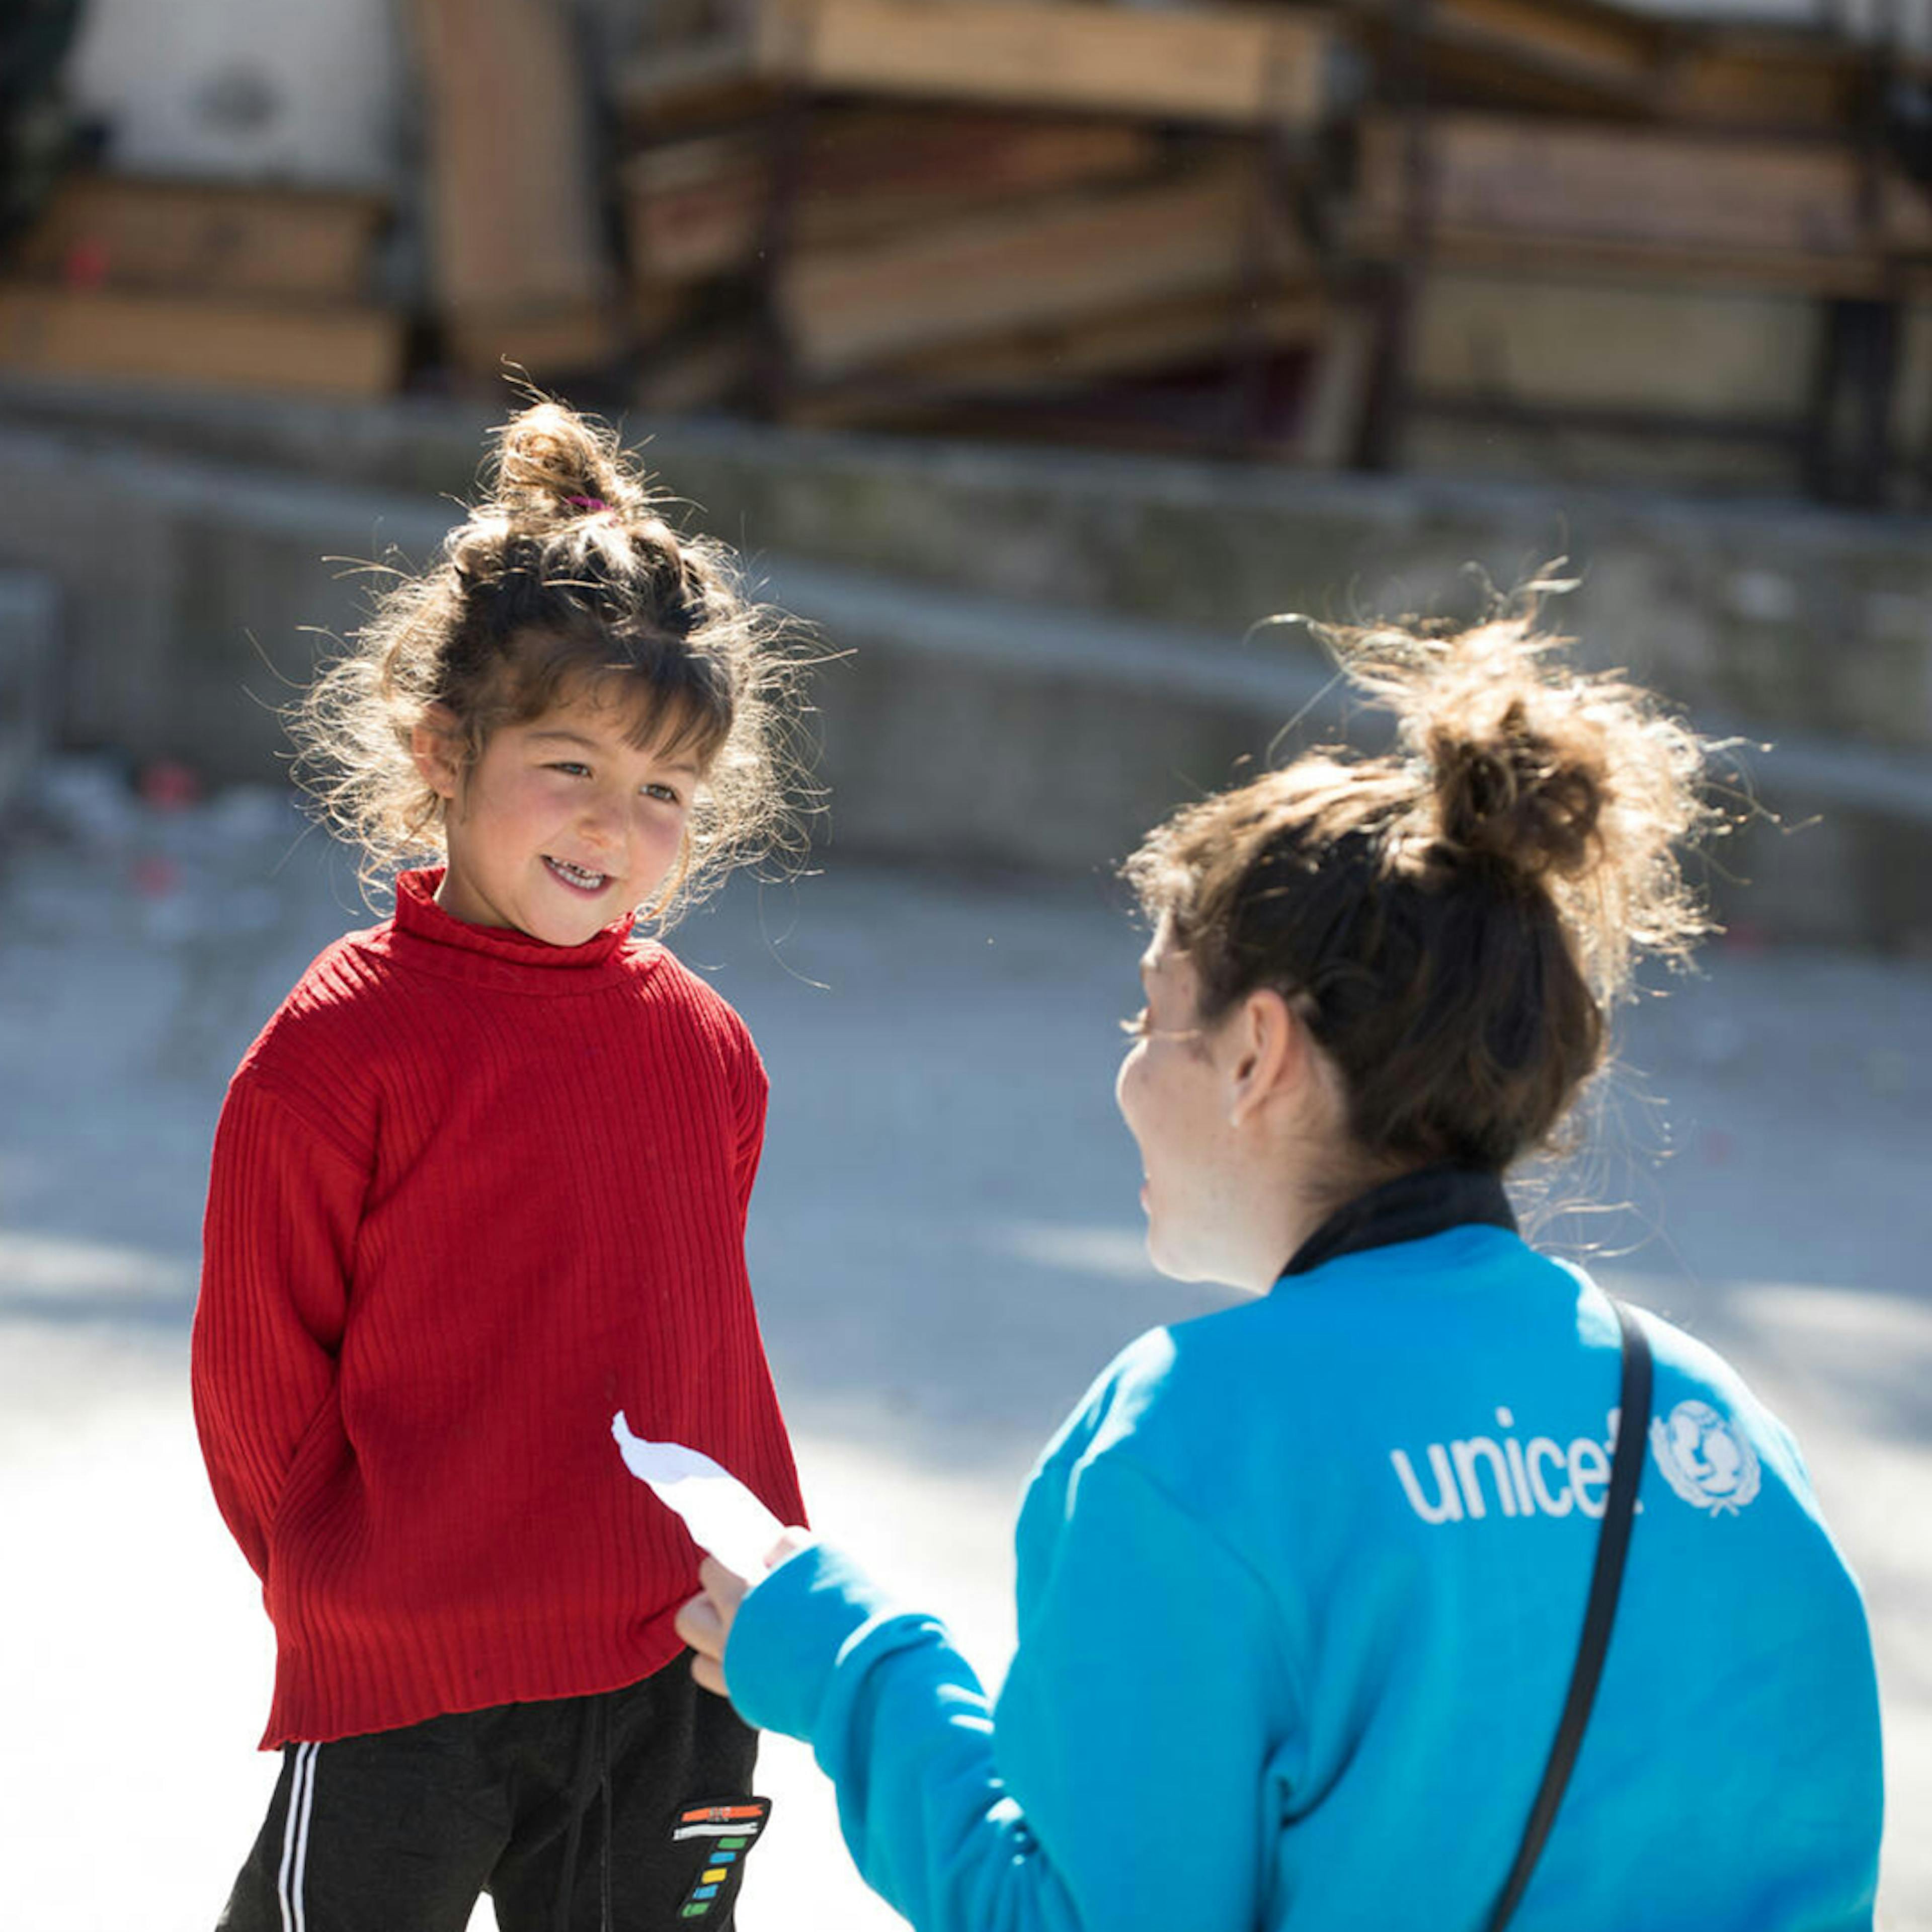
[946,1247]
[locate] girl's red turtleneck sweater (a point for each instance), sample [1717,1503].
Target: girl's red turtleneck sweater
[472,1195]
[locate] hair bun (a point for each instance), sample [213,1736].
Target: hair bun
[1515,763]
[1505,793]
[550,462]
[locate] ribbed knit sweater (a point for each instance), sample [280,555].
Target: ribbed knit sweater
[472,1195]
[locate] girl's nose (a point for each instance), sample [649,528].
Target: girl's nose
[603,820]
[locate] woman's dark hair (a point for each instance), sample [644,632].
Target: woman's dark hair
[566,581]
[1454,920]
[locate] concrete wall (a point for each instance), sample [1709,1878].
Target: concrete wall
[196,596]
[1773,617]
[29,632]
[1046,652]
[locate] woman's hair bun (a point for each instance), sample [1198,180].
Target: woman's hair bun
[1506,794]
[1537,774]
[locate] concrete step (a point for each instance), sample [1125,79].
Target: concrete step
[29,631]
[981,728]
[966,727]
[1786,616]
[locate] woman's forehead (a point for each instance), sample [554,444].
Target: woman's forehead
[1164,962]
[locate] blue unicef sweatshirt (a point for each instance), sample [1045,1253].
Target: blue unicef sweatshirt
[1299,1587]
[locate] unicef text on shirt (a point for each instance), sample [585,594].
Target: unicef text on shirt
[1540,1477]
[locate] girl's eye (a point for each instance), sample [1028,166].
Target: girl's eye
[573,767]
[666,792]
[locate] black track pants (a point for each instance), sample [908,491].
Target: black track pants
[629,1812]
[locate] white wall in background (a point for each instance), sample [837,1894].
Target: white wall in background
[1799,12]
[293,90]
[1910,20]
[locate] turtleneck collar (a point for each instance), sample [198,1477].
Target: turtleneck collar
[1409,1208]
[496,952]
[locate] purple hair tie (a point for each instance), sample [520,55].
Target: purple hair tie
[591,504]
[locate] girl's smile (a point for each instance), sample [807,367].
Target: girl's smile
[577,878]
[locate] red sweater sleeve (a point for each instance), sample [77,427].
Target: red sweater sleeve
[284,1204]
[751,1087]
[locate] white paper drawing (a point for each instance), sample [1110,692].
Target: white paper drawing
[722,1516]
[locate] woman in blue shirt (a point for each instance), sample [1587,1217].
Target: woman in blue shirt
[1301,1582]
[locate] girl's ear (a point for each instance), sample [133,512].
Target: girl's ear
[1267,1052]
[434,745]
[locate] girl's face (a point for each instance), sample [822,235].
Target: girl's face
[561,826]
[1174,1097]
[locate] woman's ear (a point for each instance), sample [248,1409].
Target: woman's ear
[435,746]
[1267,1052]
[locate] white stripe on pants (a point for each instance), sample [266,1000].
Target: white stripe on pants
[294,1838]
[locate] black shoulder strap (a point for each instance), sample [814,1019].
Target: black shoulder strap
[1606,1580]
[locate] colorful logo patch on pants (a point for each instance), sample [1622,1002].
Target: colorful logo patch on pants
[721,1834]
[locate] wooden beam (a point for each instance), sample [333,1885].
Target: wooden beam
[1062,355]
[545,340]
[132,231]
[1798,83]
[1195,329]
[1575,54]
[517,255]
[1587,56]
[1605,43]
[1531,340]
[1236,66]
[1081,257]
[682,88]
[199,341]
[1640,201]
[697,208]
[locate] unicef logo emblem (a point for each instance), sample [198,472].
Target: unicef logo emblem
[1706,1461]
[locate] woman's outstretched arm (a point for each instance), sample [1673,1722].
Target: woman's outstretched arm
[1126,1781]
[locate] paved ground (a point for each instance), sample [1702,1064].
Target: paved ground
[946,1245]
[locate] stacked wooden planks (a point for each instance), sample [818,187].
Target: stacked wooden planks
[519,273]
[1332,233]
[1634,249]
[980,212]
[203,283]
[1564,236]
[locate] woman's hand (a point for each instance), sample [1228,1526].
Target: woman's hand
[705,1622]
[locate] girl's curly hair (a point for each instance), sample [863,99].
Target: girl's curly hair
[567,579]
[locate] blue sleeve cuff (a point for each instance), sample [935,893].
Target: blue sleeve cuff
[791,1630]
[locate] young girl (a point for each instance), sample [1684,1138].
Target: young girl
[1301,1583]
[482,1183]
